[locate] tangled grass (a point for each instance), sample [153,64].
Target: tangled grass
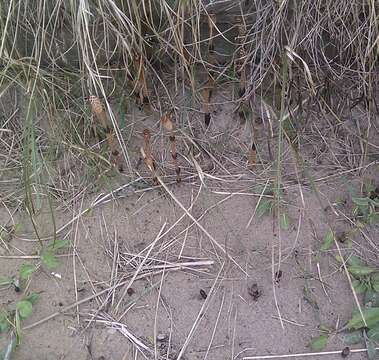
[54,55]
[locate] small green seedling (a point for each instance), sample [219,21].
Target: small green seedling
[318,343]
[328,240]
[11,318]
[10,322]
[266,204]
[48,254]
[366,208]
[365,282]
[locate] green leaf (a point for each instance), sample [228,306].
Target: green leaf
[24,308]
[375,282]
[328,240]
[26,270]
[49,260]
[373,333]
[32,298]
[370,314]
[318,343]
[359,287]
[355,261]
[352,338]
[263,208]
[360,270]
[284,221]
[57,244]
[361,201]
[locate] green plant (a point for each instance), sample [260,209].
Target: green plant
[10,322]
[366,207]
[48,254]
[358,329]
[266,206]
[328,240]
[12,316]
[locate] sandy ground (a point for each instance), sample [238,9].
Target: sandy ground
[206,289]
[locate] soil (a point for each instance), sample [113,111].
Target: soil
[261,290]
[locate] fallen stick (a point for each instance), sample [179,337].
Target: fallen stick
[288,356]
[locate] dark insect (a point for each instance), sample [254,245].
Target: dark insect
[130,291]
[278,275]
[254,292]
[345,352]
[203,294]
